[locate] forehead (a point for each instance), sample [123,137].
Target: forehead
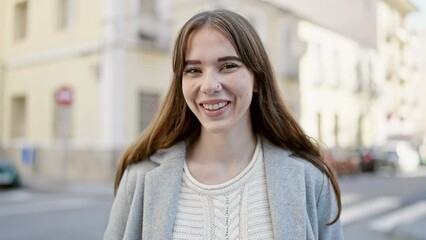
[208,40]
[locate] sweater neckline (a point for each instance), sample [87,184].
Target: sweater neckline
[229,185]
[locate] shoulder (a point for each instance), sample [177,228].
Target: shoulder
[312,173]
[285,157]
[280,158]
[159,157]
[139,169]
[135,173]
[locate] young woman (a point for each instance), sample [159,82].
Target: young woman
[223,158]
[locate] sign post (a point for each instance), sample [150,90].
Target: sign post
[64,99]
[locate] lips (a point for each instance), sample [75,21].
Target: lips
[215,106]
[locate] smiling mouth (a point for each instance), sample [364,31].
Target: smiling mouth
[214,107]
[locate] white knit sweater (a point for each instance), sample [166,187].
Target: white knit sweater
[236,209]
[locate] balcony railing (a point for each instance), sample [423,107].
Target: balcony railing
[153,32]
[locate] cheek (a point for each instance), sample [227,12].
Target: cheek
[187,93]
[246,87]
[185,88]
[249,97]
[246,81]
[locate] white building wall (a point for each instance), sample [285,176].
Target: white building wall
[394,43]
[35,67]
[329,85]
[354,19]
[324,60]
[2,91]
[148,64]
[419,84]
[46,59]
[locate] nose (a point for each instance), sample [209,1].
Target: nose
[210,83]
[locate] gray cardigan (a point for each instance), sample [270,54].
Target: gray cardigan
[300,197]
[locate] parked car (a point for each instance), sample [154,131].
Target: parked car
[396,155]
[401,155]
[344,160]
[9,175]
[422,152]
[368,157]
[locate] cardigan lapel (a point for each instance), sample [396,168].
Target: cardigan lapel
[284,178]
[286,191]
[162,189]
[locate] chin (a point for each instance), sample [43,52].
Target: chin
[215,128]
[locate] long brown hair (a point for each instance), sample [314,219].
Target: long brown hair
[269,115]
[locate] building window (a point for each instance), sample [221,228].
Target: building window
[153,24]
[337,68]
[318,63]
[319,126]
[148,7]
[148,103]
[336,130]
[150,22]
[65,13]
[19,118]
[360,130]
[257,20]
[291,52]
[370,75]
[368,6]
[21,20]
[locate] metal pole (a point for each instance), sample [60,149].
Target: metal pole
[65,115]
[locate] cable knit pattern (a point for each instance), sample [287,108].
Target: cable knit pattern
[236,209]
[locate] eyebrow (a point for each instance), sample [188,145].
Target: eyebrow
[220,59]
[227,58]
[192,62]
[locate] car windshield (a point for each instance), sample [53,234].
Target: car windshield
[391,155]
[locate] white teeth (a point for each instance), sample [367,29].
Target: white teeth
[215,106]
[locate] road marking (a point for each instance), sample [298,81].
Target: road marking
[421,172]
[17,196]
[349,198]
[404,215]
[45,206]
[368,208]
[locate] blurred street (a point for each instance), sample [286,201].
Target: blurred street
[377,206]
[81,80]
[383,205]
[77,214]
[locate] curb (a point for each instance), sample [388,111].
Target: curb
[45,186]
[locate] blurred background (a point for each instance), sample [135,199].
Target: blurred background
[80,80]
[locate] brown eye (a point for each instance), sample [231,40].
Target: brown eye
[229,66]
[192,70]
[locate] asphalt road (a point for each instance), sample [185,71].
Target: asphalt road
[376,207]
[26,215]
[384,206]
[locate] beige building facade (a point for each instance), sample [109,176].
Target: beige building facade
[47,47]
[80,80]
[337,74]
[2,26]
[419,84]
[111,58]
[395,43]
[337,81]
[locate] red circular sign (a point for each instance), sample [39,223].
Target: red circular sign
[64,96]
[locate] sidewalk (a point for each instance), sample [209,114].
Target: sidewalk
[45,186]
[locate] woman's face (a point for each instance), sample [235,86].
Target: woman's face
[217,86]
